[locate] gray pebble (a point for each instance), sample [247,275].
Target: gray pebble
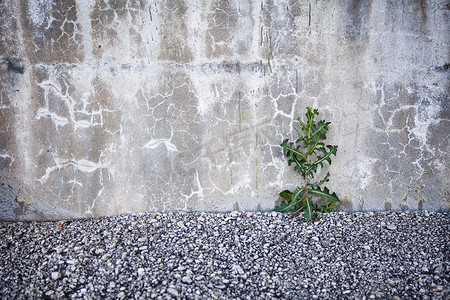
[231,256]
[391,226]
[186,279]
[56,275]
[172,291]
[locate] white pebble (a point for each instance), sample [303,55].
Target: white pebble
[56,275]
[391,226]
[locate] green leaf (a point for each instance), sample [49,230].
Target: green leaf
[321,130]
[298,165]
[289,150]
[319,183]
[308,212]
[293,202]
[281,207]
[330,207]
[297,193]
[286,194]
[325,194]
[325,157]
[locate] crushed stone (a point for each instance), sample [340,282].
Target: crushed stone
[237,255]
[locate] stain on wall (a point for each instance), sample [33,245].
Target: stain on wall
[112,107]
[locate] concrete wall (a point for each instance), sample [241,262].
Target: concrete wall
[110,107]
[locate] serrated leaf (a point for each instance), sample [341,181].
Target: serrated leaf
[322,159]
[298,166]
[281,207]
[319,183]
[330,207]
[288,206]
[320,130]
[298,193]
[290,150]
[325,194]
[292,203]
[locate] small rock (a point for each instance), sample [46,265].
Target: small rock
[106,256]
[238,269]
[181,224]
[186,279]
[56,275]
[199,278]
[172,291]
[221,286]
[99,251]
[141,272]
[391,226]
[437,288]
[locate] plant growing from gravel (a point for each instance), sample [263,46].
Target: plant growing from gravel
[307,153]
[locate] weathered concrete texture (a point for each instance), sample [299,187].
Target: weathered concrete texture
[110,107]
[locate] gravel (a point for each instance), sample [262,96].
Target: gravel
[244,255]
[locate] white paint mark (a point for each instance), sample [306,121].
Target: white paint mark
[153,144]
[82,165]
[56,119]
[82,124]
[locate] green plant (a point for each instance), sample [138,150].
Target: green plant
[307,154]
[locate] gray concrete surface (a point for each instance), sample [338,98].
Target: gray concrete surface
[126,106]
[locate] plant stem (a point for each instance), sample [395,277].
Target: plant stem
[306,175]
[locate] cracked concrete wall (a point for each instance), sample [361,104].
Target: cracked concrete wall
[113,107]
